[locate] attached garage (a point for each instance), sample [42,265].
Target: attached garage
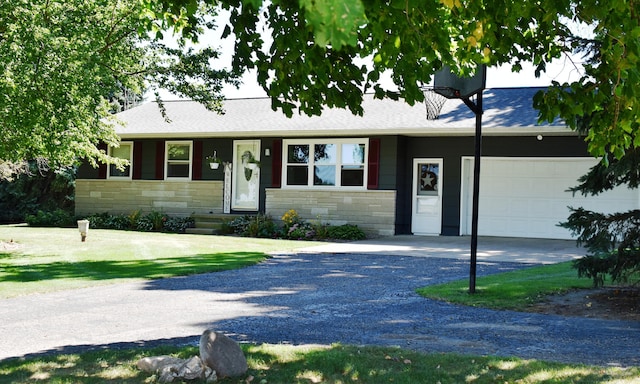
[527,197]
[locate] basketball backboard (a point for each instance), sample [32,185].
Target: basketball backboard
[451,86]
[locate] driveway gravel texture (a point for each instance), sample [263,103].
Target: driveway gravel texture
[301,298]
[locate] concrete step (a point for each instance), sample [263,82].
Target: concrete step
[210,223]
[210,216]
[202,231]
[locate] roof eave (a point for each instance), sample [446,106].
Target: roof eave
[415,132]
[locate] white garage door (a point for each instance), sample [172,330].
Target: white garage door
[526,197]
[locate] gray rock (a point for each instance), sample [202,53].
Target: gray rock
[167,375]
[170,368]
[157,363]
[192,369]
[222,354]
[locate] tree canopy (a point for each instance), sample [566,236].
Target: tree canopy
[311,55]
[61,60]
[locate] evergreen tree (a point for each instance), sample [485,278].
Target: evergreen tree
[613,240]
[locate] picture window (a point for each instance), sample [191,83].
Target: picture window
[325,163]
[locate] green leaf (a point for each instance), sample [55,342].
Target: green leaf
[334,23]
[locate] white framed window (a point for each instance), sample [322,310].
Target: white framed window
[125,152]
[325,163]
[178,157]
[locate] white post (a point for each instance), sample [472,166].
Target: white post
[226,206]
[83,227]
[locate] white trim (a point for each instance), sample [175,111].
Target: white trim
[551,130]
[338,164]
[130,159]
[466,179]
[188,162]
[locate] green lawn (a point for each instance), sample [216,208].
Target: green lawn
[36,260]
[286,364]
[513,290]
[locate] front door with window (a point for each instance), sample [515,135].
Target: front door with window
[245,189]
[426,210]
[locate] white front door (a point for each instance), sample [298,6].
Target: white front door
[245,191]
[426,211]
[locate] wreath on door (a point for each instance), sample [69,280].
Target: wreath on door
[249,163]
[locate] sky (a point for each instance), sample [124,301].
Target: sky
[561,70]
[497,77]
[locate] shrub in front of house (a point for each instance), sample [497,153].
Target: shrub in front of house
[237,226]
[56,218]
[295,228]
[300,231]
[253,226]
[153,221]
[263,226]
[290,218]
[106,220]
[345,232]
[178,224]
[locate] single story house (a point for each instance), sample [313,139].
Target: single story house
[390,171]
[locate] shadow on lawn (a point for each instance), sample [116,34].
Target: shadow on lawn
[172,343]
[118,269]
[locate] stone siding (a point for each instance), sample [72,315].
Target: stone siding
[371,211]
[170,197]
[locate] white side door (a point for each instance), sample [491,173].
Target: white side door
[426,210]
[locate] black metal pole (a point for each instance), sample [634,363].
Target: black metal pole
[476,193]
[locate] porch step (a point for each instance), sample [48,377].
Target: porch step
[210,223]
[202,231]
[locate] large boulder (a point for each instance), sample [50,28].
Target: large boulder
[222,354]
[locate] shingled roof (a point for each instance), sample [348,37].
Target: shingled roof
[507,111]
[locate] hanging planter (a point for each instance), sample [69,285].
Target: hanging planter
[214,161]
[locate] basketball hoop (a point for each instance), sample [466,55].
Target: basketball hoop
[433,101]
[449,85]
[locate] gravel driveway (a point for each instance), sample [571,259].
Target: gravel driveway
[309,298]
